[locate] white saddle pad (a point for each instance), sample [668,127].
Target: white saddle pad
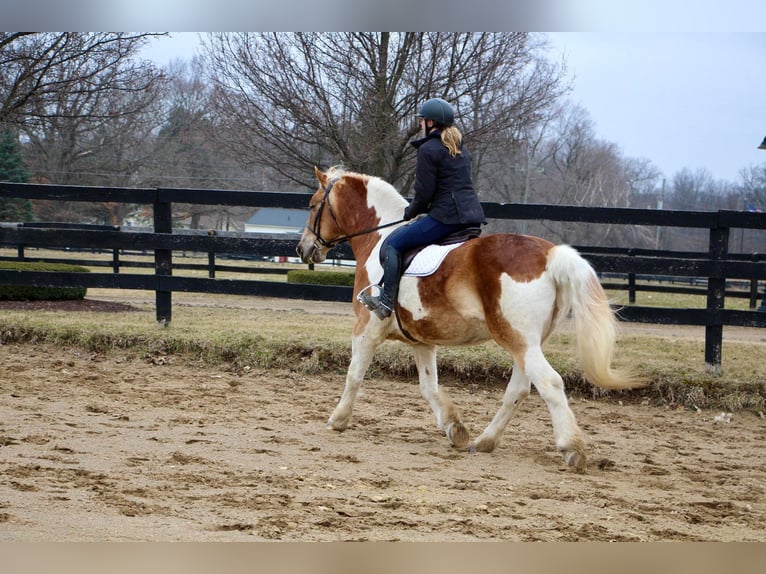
[428,260]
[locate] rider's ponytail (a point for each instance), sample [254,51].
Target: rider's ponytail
[452,139]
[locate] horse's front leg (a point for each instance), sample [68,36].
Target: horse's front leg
[447,416]
[362,350]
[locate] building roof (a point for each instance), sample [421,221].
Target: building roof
[279,217]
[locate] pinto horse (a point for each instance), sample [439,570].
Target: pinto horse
[511,288]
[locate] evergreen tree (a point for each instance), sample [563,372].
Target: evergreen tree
[13,169]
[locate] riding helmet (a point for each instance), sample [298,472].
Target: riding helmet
[437,110]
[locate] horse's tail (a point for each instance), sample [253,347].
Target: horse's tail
[579,291]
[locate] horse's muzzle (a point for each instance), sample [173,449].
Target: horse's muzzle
[309,252]
[299,250]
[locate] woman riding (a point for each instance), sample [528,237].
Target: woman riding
[443,192]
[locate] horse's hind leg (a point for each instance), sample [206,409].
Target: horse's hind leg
[362,349]
[516,391]
[447,416]
[568,436]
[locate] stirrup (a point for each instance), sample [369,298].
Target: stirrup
[373,303]
[362,296]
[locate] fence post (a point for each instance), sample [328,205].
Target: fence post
[211,258]
[163,261]
[632,288]
[716,291]
[19,247]
[753,293]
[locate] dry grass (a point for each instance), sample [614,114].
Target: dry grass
[674,300]
[235,333]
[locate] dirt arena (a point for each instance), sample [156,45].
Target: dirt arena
[119,448]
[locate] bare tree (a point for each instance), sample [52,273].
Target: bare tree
[46,74]
[291,101]
[643,178]
[564,163]
[751,196]
[698,190]
[753,187]
[81,103]
[185,152]
[695,191]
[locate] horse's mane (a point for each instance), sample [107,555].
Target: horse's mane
[338,171]
[335,171]
[372,182]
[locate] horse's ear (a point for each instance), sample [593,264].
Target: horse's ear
[321,177]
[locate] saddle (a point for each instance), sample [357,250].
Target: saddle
[456,237]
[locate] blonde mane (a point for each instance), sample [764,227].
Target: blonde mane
[383,197]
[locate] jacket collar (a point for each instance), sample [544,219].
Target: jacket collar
[419,142]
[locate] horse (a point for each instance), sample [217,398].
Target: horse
[514,289]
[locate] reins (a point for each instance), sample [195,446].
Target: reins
[338,240]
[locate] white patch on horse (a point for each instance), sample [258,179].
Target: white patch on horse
[373,267]
[409,298]
[527,305]
[385,200]
[389,206]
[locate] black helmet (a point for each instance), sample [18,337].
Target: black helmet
[437,110]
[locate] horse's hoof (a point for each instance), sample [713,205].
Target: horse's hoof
[575,459]
[484,445]
[334,426]
[458,435]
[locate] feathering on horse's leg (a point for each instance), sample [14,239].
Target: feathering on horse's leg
[362,350]
[517,390]
[549,384]
[447,416]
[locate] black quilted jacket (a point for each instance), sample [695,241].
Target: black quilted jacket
[443,185]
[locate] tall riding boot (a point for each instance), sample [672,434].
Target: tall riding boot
[383,304]
[392,272]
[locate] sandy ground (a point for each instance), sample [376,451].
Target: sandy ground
[116,448]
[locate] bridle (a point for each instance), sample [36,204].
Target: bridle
[322,242]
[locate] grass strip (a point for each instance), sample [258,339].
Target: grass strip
[311,343]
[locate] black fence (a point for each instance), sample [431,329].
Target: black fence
[707,273]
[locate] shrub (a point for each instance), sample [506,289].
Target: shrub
[342,278]
[36,293]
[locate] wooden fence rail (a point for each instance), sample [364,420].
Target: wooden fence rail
[715,267]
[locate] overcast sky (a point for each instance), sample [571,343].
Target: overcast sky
[682,100]
[693,100]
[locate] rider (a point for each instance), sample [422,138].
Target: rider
[443,192]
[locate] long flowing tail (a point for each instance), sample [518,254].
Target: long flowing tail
[579,291]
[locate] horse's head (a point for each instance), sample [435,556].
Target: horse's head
[347,205]
[322,229]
